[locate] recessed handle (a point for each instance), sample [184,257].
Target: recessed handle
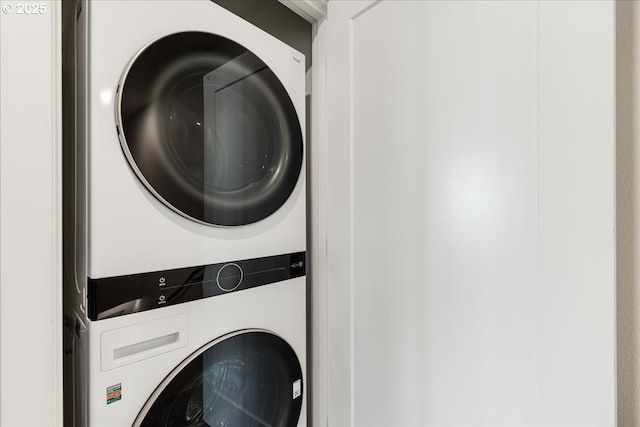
[131,344]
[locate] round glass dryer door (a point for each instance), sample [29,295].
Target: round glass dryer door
[209,129]
[249,379]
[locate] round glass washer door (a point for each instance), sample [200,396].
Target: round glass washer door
[248,379]
[209,129]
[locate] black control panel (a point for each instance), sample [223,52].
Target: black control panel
[117,296]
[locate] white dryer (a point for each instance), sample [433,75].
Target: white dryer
[196,149]
[185,217]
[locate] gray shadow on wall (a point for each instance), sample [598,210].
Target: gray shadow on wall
[627,290]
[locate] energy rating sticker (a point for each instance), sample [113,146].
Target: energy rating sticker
[114,393]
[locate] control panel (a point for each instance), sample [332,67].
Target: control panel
[121,295]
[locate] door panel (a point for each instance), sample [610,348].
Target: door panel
[209,129]
[247,379]
[471,192]
[576,239]
[449,169]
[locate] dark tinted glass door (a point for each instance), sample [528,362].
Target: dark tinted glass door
[209,129]
[251,379]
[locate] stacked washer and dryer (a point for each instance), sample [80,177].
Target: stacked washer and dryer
[185,218]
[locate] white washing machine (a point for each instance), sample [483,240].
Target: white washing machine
[234,360]
[185,217]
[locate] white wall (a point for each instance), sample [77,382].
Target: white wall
[30,221]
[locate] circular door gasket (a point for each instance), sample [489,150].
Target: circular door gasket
[250,378]
[209,129]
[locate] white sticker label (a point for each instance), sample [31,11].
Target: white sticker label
[297,388]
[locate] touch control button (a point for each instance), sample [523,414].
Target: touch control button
[229,277]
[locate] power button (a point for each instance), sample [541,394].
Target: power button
[229,277]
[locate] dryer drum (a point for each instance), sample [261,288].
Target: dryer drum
[209,129]
[245,379]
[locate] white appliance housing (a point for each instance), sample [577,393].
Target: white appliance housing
[127,236]
[129,356]
[130,231]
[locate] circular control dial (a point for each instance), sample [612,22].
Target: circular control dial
[229,277]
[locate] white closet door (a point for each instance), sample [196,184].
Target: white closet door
[471,276]
[30,214]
